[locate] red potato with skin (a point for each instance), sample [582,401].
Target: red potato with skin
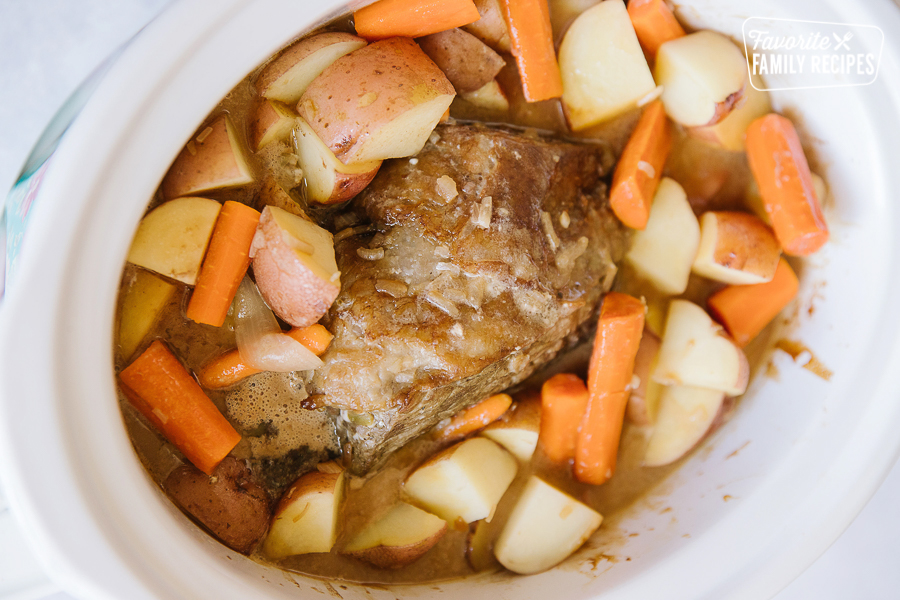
[467,62]
[173,237]
[399,538]
[686,415]
[272,194]
[328,180]
[379,102]
[729,133]
[272,122]
[305,520]
[212,159]
[644,399]
[736,248]
[704,77]
[287,76]
[231,505]
[294,265]
[697,352]
[491,28]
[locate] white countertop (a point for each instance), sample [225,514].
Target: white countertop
[47,47]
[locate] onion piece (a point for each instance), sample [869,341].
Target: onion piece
[260,341]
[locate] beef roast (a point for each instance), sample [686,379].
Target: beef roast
[470,266]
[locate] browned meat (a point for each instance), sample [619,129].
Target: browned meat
[230,504]
[484,257]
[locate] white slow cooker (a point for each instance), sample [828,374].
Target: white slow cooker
[742,517]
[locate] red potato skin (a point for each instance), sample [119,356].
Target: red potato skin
[348,185]
[230,504]
[297,52]
[272,194]
[196,168]
[491,27]
[745,243]
[397,73]
[637,409]
[267,119]
[301,301]
[467,62]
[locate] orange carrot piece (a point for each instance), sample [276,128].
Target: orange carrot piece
[745,310]
[640,167]
[564,399]
[786,185]
[412,18]
[609,376]
[224,371]
[531,38]
[227,369]
[225,264]
[476,417]
[654,23]
[315,337]
[165,393]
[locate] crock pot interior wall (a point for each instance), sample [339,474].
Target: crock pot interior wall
[786,461]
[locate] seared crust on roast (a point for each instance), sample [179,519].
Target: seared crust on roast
[486,255]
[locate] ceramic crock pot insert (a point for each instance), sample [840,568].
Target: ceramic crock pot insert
[739,519]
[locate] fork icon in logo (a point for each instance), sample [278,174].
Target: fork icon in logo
[842,42]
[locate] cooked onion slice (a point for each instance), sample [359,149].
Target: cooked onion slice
[260,341]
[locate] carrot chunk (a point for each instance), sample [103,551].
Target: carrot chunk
[564,398]
[531,38]
[609,377]
[786,185]
[228,368]
[745,310]
[225,264]
[412,18]
[476,417]
[640,167]
[225,370]
[315,337]
[654,23]
[163,391]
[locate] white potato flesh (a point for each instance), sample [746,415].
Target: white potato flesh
[381,101]
[143,300]
[604,72]
[729,133]
[685,415]
[305,521]
[518,429]
[464,482]
[519,441]
[398,538]
[328,180]
[664,251]
[272,122]
[544,528]
[697,352]
[172,239]
[643,401]
[704,77]
[287,76]
[490,97]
